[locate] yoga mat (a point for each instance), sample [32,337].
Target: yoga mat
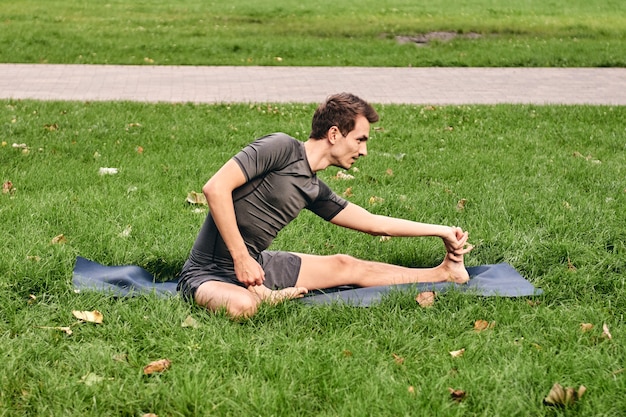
[131,280]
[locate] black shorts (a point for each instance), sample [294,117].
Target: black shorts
[281,271]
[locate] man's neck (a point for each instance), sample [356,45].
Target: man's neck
[317,154]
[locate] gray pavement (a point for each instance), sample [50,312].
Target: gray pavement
[225,84]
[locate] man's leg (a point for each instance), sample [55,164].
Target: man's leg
[240,302]
[319,272]
[236,300]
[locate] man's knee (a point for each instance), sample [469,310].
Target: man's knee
[344,262]
[242,307]
[237,302]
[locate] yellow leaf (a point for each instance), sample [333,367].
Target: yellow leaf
[375,200]
[59,240]
[190,322]
[457,353]
[92,379]
[585,327]
[67,330]
[196,198]
[399,359]
[344,176]
[157,366]
[89,316]
[605,331]
[561,397]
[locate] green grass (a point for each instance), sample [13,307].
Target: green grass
[545,190]
[532,33]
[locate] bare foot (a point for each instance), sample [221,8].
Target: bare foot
[455,271]
[277,296]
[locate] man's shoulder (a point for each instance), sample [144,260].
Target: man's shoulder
[278,138]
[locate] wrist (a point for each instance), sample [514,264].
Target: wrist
[239,253]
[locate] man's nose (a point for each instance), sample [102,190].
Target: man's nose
[363,149]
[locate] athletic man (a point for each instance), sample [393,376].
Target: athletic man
[263,187]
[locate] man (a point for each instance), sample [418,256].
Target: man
[262,188]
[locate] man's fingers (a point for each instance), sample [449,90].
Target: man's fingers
[454,257]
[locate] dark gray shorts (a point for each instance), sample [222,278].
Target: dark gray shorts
[281,271]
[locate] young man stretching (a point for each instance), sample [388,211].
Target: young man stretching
[263,187]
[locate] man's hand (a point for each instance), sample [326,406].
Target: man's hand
[456,244]
[248,271]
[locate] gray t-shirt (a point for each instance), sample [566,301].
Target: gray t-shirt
[280,184]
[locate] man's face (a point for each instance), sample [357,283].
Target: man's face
[347,149]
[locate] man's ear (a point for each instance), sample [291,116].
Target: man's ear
[332,134]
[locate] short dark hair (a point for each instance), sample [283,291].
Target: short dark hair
[340,110]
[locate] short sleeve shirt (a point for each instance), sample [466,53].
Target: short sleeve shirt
[280,184]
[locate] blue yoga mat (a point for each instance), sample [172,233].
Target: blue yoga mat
[130,280]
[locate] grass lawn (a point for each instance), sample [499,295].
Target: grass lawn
[555,33]
[544,189]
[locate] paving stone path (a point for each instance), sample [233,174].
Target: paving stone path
[225,84]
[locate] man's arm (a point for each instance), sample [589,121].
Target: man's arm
[357,218]
[219,194]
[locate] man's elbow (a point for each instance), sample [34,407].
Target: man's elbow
[211,191]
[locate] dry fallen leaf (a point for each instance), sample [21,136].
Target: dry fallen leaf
[126,232]
[460,206]
[344,176]
[457,394]
[457,353]
[196,198]
[347,353]
[375,200]
[157,366]
[399,359]
[120,357]
[92,379]
[65,329]
[89,316]
[51,127]
[570,265]
[411,389]
[7,187]
[348,193]
[480,325]
[426,298]
[59,240]
[562,397]
[190,322]
[384,238]
[107,171]
[605,331]
[389,172]
[585,327]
